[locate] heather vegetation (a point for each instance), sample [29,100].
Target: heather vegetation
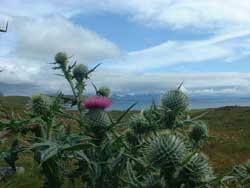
[161,146]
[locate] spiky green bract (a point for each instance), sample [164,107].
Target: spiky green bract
[97,122]
[61,59]
[103,91]
[174,100]
[196,172]
[80,72]
[97,117]
[165,150]
[198,131]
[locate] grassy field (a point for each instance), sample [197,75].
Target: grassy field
[229,143]
[230,129]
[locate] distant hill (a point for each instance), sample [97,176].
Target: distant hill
[1,94]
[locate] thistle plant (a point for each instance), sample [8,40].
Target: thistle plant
[157,147]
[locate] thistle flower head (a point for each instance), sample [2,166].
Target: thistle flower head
[61,58]
[96,102]
[80,72]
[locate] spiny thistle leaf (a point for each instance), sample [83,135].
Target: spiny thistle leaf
[241,174]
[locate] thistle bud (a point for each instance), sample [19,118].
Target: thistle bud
[80,72]
[139,125]
[41,104]
[198,131]
[174,100]
[61,59]
[103,91]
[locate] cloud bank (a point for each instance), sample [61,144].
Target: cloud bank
[40,29]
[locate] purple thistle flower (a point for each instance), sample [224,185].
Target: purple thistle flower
[96,102]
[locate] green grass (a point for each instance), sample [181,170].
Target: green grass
[229,128]
[16,102]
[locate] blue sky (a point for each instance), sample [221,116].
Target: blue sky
[146,46]
[131,36]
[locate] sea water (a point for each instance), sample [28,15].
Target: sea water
[123,102]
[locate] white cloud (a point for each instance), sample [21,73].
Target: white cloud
[172,53]
[125,82]
[43,38]
[228,83]
[227,18]
[228,47]
[212,14]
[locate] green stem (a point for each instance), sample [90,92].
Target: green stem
[76,96]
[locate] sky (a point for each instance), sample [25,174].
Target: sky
[145,46]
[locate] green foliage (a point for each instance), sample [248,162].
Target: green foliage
[241,175]
[11,156]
